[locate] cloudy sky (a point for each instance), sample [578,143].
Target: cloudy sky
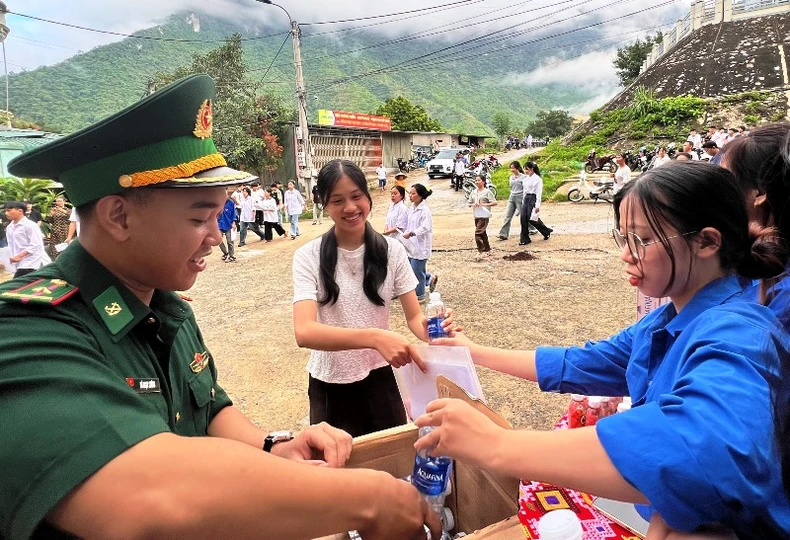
[34,43]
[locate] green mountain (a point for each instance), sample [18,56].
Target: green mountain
[464,92]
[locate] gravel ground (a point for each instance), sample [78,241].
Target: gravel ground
[570,290]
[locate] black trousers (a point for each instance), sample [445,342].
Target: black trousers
[361,407]
[526,211]
[23,272]
[267,229]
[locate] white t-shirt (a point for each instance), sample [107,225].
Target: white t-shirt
[353,309]
[661,161]
[621,177]
[484,196]
[381,172]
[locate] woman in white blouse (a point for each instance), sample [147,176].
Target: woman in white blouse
[398,214]
[530,208]
[344,282]
[420,231]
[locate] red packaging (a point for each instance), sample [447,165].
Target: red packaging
[577,411]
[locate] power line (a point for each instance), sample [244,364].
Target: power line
[363,26]
[487,37]
[401,65]
[342,21]
[135,36]
[275,57]
[426,33]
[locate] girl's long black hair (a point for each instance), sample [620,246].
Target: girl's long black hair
[375,261]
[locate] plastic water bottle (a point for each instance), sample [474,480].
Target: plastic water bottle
[435,313]
[431,477]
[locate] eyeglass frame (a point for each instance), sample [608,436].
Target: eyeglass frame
[618,237]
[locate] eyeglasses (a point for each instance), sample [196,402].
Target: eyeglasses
[636,246]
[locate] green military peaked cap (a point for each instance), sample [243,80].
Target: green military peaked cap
[163,140]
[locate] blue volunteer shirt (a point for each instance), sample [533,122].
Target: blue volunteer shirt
[698,442]
[777,296]
[228,216]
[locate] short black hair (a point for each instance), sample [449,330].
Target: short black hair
[710,144]
[15,205]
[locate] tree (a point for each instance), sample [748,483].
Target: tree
[550,124]
[501,124]
[407,116]
[629,59]
[244,122]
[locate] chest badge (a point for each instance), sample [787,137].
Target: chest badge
[144,385]
[200,362]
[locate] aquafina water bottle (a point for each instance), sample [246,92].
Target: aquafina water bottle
[431,477]
[435,313]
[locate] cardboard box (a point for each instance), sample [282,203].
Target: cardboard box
[480,501]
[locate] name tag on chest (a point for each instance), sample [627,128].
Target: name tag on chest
[144,386]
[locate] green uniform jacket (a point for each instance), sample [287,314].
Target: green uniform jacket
[87,371]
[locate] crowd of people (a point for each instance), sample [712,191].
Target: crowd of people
[119,418]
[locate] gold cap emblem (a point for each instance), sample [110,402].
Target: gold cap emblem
[204,124]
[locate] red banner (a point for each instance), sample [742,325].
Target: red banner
[358,120]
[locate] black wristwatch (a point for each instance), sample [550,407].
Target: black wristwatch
[276,437]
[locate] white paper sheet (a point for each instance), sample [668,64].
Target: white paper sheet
[418,389]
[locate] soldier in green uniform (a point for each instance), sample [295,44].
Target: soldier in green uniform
[113,423]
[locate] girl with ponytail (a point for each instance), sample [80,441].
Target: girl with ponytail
[344,282]
[697,449]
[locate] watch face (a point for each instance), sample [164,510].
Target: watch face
[284,435]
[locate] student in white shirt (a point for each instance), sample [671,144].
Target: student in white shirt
[344,282]
[530,208]
[695,139]
[623,174]
[294,206]
[481,200]
[381,173]
[420,232]
[25,241]
[398,214]
[662,158]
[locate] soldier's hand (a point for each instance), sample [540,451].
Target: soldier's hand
[318,442]
[400,512]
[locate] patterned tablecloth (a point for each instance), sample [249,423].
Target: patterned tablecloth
[535,499]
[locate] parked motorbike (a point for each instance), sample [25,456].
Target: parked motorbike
[405,166]
[469,184]
[603,190]
[493,162]
[603,163]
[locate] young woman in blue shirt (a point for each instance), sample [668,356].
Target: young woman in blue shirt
[760,162]
[697,446]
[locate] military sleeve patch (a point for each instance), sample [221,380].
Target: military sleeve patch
[41,291]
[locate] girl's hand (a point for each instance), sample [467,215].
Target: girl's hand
[460,431]
[397,350]
[448,325]
[457,339]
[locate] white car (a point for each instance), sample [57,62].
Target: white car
[442,164]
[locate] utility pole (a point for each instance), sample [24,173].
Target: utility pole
[304,152]
[3,34]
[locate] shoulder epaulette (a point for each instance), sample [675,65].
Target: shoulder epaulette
[41,291]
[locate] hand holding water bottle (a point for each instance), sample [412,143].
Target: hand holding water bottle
[460,432]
